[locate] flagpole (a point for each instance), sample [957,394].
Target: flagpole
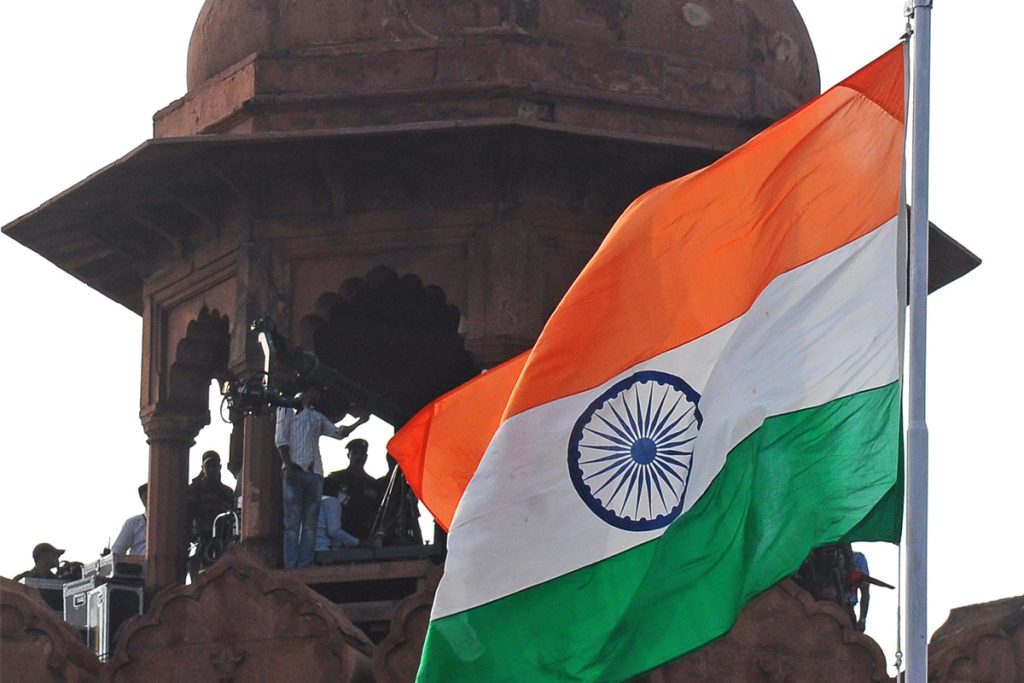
[917,432]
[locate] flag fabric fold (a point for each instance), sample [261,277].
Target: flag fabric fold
[441,446]
[716,394]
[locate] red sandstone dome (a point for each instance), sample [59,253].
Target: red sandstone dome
[755,50]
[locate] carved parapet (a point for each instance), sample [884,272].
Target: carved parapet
[782,635]
[239,623]
[36,644]
[980,644]
[397,657]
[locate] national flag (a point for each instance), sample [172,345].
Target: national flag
[717,394]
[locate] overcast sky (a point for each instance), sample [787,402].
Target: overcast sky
[82,81]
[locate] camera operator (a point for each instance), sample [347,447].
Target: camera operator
[298,442]
[46,558]
[207,498]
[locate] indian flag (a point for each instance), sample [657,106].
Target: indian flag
[717,394]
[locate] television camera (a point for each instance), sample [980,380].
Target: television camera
[258,394]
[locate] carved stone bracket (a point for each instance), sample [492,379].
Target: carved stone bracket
[397,657]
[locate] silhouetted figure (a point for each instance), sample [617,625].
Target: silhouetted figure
[46,558]
[837,574]
[364,491]
[207,498]
[298,442]
[858,582]
[823,574]
[132,539]
[330,532]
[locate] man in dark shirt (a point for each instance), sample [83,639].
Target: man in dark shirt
[364,491]
[46,558]
[207,498]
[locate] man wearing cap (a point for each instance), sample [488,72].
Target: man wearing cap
[207,498]
[298,442]
[364,491]
[46,557]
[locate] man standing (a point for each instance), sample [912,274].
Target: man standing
[132,539]
[364,491]
[207,498]
[859,582]
[298,442]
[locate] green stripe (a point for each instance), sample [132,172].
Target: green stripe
[802,480]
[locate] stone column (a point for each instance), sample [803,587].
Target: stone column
[235,446]
[262,513]
[171,433]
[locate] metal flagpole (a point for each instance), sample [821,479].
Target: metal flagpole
[917,432]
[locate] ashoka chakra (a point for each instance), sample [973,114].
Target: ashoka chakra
[631,450]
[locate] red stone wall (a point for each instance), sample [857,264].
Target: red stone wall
[238,623]
[36,645]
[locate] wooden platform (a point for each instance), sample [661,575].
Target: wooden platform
[369,584]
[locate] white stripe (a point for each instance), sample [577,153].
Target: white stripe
[822,331]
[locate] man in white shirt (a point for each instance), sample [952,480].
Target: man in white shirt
[132,539]
[298,442]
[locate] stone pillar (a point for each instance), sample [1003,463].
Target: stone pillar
[171,433]
[262,513]
[235,446]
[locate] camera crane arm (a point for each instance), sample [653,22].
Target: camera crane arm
[257,395]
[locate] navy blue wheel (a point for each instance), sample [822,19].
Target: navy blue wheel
[631,450]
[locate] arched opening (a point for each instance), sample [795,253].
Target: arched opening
[216,436]
[202,355]
[398,341]
[392,336]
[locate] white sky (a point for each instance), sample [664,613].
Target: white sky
[82,81]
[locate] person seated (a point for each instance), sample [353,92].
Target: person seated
[364,491]
[330,535]
[132,539]
[46,558]
[207,498]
